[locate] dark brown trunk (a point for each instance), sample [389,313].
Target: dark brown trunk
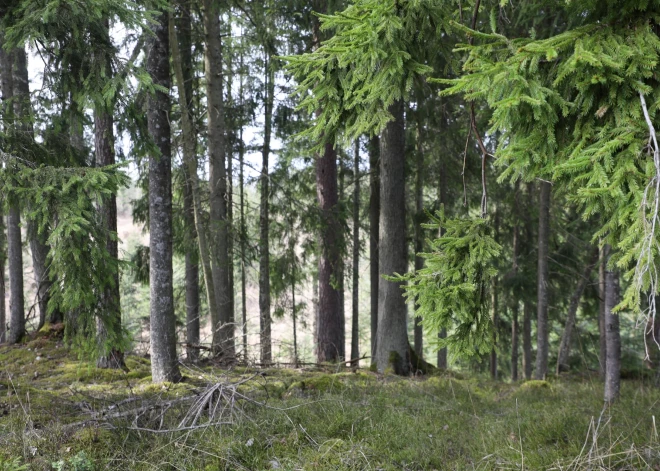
[418,330]
[392,350]
[164,362]
[514,271]
[374,225]
[613,335]
[542,323]
[565,344]
[355,326]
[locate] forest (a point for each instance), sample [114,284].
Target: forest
[329,234]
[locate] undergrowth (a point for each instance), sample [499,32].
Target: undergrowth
[319,419]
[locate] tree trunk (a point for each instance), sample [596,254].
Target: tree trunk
[514,341]
[514,270]
[14,243]
[6,88]
[527,339]
[542,327]
[243,235]
[108,328]
[444,201]
[191,196]
[164,363]
[496,314]
[223,324]
[374,227]
[264,220]
[418,331]
[355,326]
[341,266]
[613,336]
[329,328]
[602,338]
[565,344]
[392,344]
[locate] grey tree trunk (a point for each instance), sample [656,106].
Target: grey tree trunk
[192,199]
[14,243]
[613,335]
[602,338]
[418,331]
[355,326]
[542,327]
[264,221]
[6,88]
[243,235]
[183,42]
[341,266]
[392,349]
[514,341]
[223,324]
[527,339]
[495,308]
[374,227]
[164,362]
[565,344]
[514,271]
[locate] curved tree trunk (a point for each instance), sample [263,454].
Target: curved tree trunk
[392,344]
[565,344]
[164,362]
[374,225]
[542,324]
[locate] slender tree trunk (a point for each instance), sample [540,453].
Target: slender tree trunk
[542,324]
[223,325]
[14,243]
[374,227]
[602,357]
[514,270]
[565,344]
[341,266]
[514,341]
[294,315]
[527,339]
[355,326]
[392,344]
[6,87]
[264,219]
[444,201]
[613,336]
[193,198]
[108,328]
[496,314]
[418,331]
[164,362]
[243,235]
[3,259]
[182,59]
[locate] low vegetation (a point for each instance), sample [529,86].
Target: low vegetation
[58,412]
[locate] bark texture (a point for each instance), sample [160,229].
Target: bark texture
[223,324]
[527,339]
[355,326]
[418,331]
[613,336]
[443,197]
[542,324]
[565,344]
[392,343]
[164,362]
[6,88]
[374,227]
[602,357]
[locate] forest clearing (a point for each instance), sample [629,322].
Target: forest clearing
[329,234]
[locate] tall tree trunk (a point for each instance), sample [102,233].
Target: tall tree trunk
[341,266]
[243,235]
[528,309]
[329,328]
[192,198]
[374,228]
[164,362]
[355,326]
[613,336]
[602,337]
[495,307]
[542,323]
[6,87]
[223,325]
[418,331]
[264,219]
[3,259]
[14,243]
[514,270]
[108,329]
[392,345]
[565,344]
[515,328]
[294,314]
[443,193]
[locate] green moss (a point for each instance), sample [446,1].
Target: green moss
[533,384]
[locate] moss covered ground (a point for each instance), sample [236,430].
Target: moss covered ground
[315,419]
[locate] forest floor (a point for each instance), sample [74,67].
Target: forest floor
[57,412]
